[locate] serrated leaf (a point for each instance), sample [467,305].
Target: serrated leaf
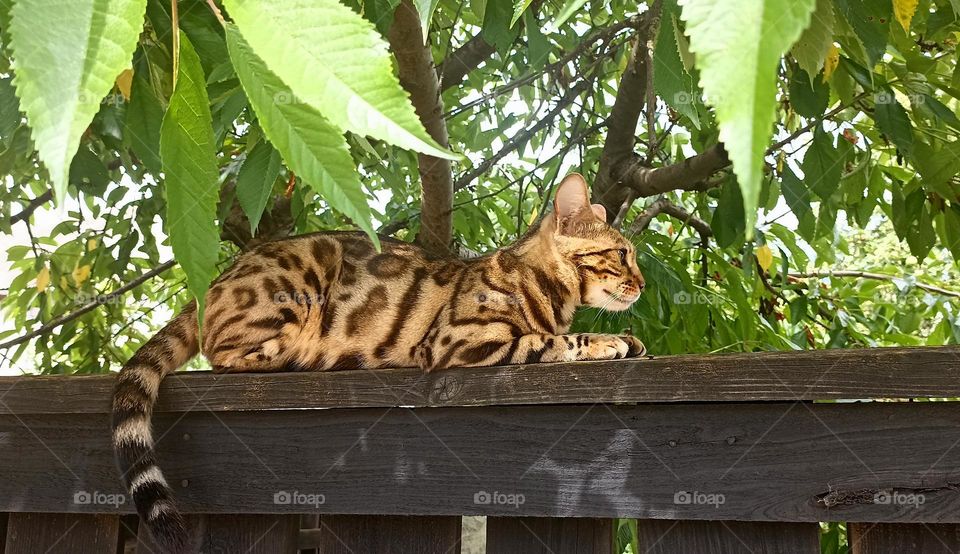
[67,58]
[809,98]
[893,121]
[189,158]
[497,29]
[821,165]
[738,44]
[903,10]
[350,79]
[870,20]
[255,181]
[670,79]
[814,44]
[313,148]
[143,118]
[9,110]
[937,165]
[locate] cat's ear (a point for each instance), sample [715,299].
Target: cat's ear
[572,197]
[599,211]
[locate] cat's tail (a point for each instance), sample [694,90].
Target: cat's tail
[133,400]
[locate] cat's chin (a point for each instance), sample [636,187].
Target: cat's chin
[614,302]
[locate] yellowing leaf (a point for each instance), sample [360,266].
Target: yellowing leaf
[124,82]
[81,274]
[903,10]
[764,257]
[63,282]
[91,245]
[43,279]
[831,63]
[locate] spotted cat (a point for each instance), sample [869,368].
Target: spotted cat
[330,301]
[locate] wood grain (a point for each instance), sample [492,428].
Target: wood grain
[771,461]
[904,538]
[62,533]
[242,533]
[722,537]
[787,376]
[549,535]
[351,534]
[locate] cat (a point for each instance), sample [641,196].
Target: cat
[330,301]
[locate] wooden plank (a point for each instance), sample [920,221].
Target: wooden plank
[904,538]
[549,535]
[349,534]
[248,533]
[811,375]
[664,536]
[771,461]
[3,532]
[29,533]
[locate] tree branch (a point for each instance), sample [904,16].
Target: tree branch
[418,76]
[690,174]
[664,205]
[522,137]
[101,299]
[868,275]
[464,60]
[32,207]
[624,116]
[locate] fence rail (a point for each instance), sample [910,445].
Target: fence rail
[725,453]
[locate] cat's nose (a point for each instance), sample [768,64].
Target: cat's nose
[641,284]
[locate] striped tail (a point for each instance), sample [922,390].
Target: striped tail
[133,400]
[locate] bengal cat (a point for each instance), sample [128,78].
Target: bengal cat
[329,301]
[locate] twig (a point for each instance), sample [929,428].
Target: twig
[101,299]
[870,275]
[32,207]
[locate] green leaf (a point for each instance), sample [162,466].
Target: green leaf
[811,48]
[808,100]
[520,6]
[798,197]
[670,79]
[143,118]
[255,181]
[567,11]
[938,165]
[425,9]
[497,29]
[893,121]
[313,148]
[380,13]
[941,111]
[10,117]
[189,158]
[742,87]
[538,47]
[350,79]
[67,58]
[728,222]
[870,20]
[822,166]
[949,227]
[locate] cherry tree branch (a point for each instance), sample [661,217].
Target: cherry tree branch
[869,275]
[418,76]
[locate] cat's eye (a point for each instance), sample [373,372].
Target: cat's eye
[623,256]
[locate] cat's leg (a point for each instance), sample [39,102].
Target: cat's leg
[529,349]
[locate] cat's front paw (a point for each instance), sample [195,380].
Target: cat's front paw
[604,347]
[636,347]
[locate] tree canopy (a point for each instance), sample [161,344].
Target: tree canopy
[787,168]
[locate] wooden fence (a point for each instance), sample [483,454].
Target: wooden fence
[713,454]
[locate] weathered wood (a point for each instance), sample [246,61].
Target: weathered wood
[248,533]
[904,538]
[62,533]
[771,461]
[3,532]
[393,534]
[810,375]
[549,535]
[309,522]
[721,537]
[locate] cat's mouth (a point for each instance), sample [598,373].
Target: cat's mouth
[621,301]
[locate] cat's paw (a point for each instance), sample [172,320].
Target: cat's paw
[604,347]
[636,347]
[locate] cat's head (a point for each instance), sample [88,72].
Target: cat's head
[605,260]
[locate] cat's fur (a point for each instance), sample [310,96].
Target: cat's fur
[330,301]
